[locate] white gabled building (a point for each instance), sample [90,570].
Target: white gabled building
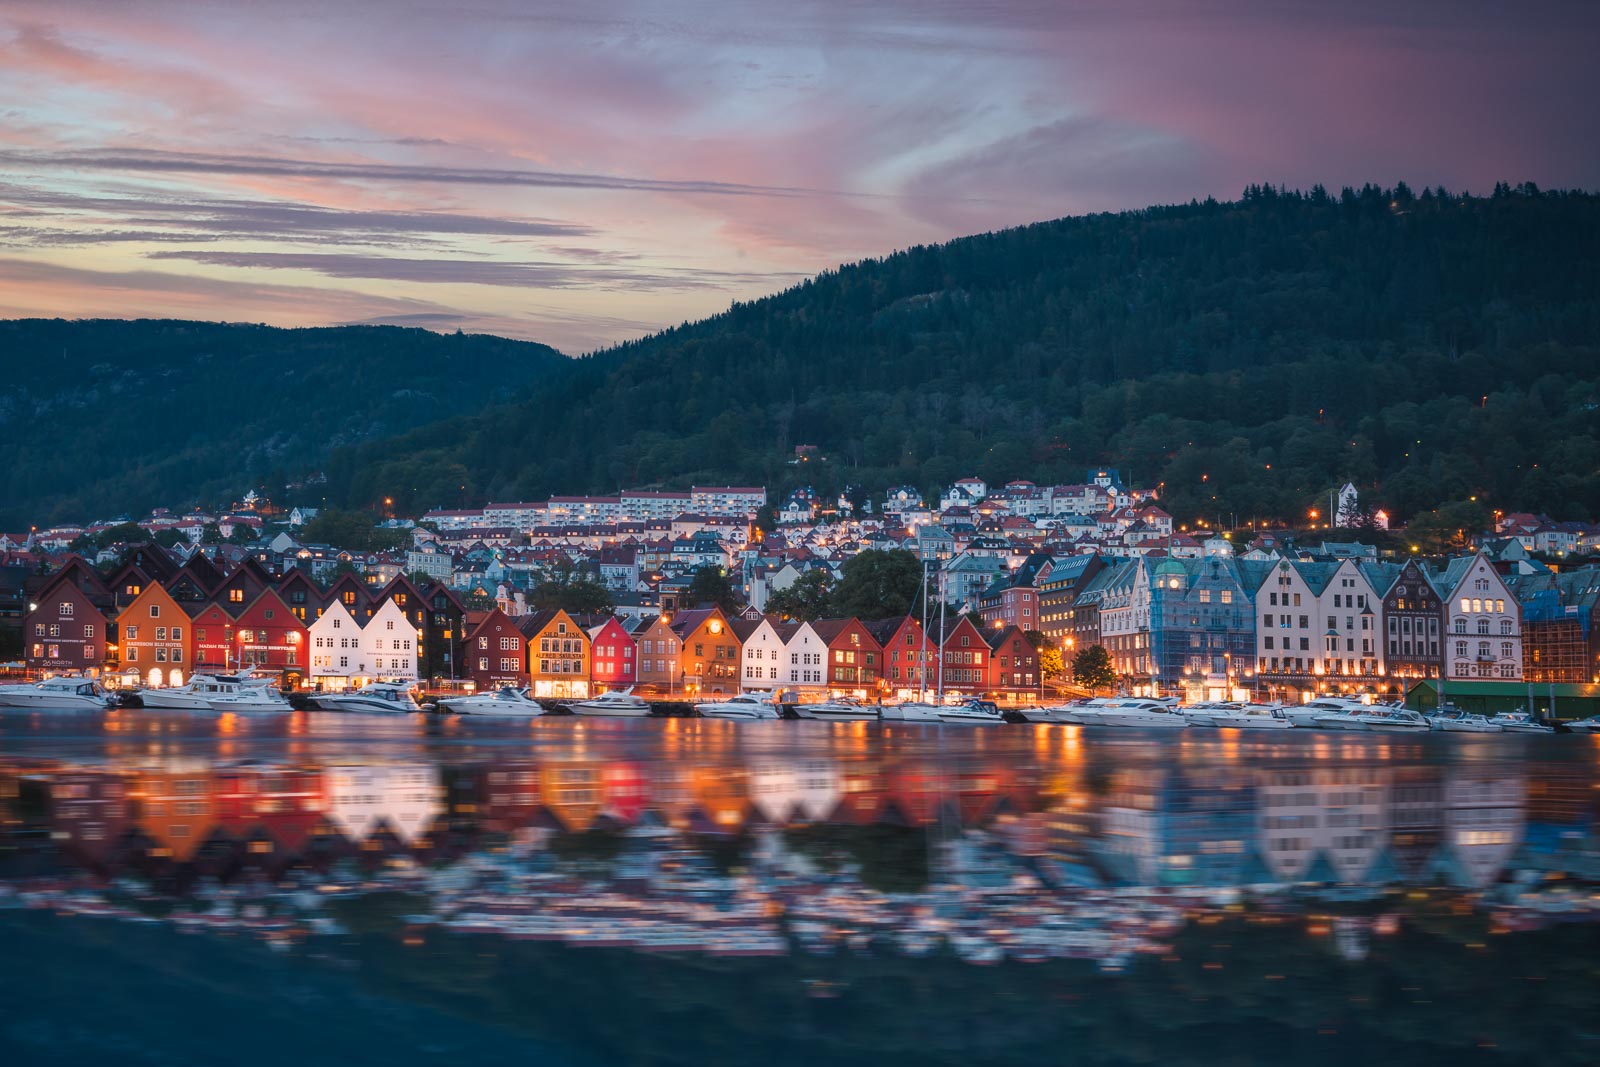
[345,653]
[1483,632]
[389,641]
[807,656]
[764,660]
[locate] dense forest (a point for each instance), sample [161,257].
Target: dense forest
[1429,347]
[1433,348]
[107,416]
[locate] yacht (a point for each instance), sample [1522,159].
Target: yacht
[743,706]
[1387,720]
[1053,713]
[1236,716]
[842,709]
[1133,712]
[1520,722]
[911,711]
[251,700]
[384,698]
[57,694]
[616,703]
[198,693]
[1461,722]
[1307,715]
[506,701]
[1591,725]
[972,713]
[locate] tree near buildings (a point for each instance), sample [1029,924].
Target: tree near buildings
[711,585]
[806,599]
[1051,664]
[877,584]
[1092,668]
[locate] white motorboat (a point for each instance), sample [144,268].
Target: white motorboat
[615,703]
[1133,712]
[198,693]
[972,713]
[1053,713]
[506,702]
[1235,716]
[743,706]
[252,700]
[1309,714]
[911,711]
[842,710]
[1520,722]
[383,698]
[1591,725]
[1387,720]
[1462,722]
[66,693]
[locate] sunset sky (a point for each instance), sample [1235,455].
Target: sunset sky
[587,172]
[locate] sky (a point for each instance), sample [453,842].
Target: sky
[583,173]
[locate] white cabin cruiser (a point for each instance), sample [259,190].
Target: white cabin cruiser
[972,713]
[842,709]
[1462,722]
[1308,714]
[911,711]
[1591,725]
[506,701]
[384,698]
[615,703]
[1235,716]
[1133,712]
[57,694]
[252,700]
[1053,713]
[201,689]
[1387,720]
[743,706]
[1520,722]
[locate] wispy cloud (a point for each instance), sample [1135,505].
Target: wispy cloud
[455,271]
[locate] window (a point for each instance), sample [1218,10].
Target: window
[88,629]
[155,611]
[133,653]
[177,633]
[236,596]
[66,609]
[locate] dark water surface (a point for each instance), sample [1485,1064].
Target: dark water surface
[337,889]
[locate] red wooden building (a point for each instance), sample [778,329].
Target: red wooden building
[497,653]
[614,657]
[271,638]
[1013,664]
[854,657]
[65,633]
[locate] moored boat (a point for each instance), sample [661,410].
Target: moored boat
[200,690]
[1235,716]
[842,709]
[742,706]
[1520,722]
[505,702]
[1461,722]
[65,693]
[252,700]
[382,698]
[972,713]
[615,703]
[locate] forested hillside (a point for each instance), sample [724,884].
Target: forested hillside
[103,416]
[1247,355]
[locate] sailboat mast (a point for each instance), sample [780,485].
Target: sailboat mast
[922,669]
[941,635]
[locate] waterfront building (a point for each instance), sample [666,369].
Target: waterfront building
[558,654]
[156,638]
[1412,617]
[1485,622]
[65,632]
[614,656]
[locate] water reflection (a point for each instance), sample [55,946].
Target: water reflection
[816,853]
